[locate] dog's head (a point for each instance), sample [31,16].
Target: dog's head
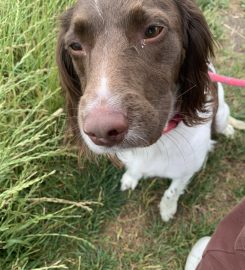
[127,66]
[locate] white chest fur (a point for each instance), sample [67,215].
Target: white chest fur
[177,155]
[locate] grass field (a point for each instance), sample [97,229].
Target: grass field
[55,215]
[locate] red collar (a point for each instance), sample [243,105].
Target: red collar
[173,123]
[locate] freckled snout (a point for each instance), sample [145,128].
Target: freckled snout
[106,128]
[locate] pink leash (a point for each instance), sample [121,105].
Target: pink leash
[226,80]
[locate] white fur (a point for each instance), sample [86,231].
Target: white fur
[104,97]
[177,155]
[223,125]
[103,91]
[223,114]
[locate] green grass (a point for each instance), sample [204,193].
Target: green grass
[55,215]
[243,4]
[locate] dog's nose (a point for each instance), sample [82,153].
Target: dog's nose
[106,128]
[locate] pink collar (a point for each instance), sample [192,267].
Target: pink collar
[173,123]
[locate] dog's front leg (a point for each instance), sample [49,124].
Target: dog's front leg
[130,180]
[169,202]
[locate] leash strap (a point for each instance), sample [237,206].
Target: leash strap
[226,80]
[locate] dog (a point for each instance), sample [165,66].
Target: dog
[135,78]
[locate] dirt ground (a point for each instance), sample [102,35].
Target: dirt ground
[234,26]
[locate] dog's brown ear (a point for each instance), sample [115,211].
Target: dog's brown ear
[198,46]
[69,80]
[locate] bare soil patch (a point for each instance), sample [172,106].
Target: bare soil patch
[234,26]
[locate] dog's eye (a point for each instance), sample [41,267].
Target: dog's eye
[153,31]
[76,46]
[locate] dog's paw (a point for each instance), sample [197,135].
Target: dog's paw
[229,132]
[128,182]
[167,210]
[168,205]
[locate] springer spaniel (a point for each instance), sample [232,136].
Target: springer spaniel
[136,84]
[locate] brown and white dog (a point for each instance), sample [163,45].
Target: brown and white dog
[127,68]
